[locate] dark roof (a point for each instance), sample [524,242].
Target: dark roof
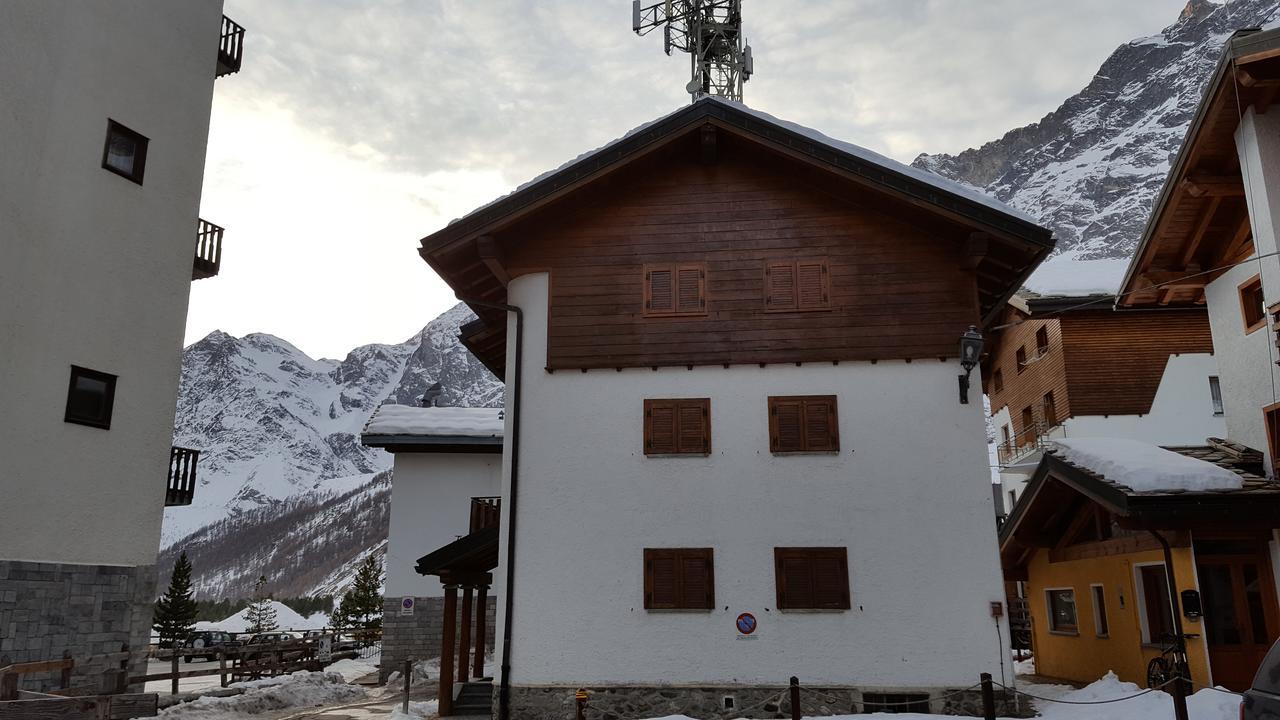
[428,444]
[477,552]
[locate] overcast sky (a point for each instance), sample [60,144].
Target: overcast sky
[358,127]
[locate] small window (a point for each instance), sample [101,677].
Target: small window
[1100,626]
[1022,359]
[1004,434]
[678,579]
[675,290]
[90,397]
[1271,415]
[1156,616]
[1013,501]
[895,703]
[792,285]
[125,153]
[812,578]
[1252,304]
[1029,433]
[1042,340]
[1061,604]
[997,381]
[803,423]
[1050,410]
[1215,394]
[677,427]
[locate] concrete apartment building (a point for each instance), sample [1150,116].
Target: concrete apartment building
[104,115]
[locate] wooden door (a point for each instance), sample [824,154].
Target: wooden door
[1240,615]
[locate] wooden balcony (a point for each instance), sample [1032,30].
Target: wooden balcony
[182,476]
[230,47]
[208,250]
[485,513]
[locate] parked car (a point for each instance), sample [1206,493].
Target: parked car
[1262,700]
[211,639]
[266,639]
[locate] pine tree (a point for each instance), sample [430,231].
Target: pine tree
[261,614]
[175,615]
[361,607]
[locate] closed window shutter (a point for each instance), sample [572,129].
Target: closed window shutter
[693,421]
[659,288]
[805,423]
[812,578]
[820,434]
[661,584]
[660,427]
[780,286]
[677,427]
[811,284]
[690,282]
[830,581]
[786,418]
[697,585]
[678,578]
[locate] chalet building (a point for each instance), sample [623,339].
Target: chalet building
[100,240]
[1211,241]
[1088,543]
[724,336]
[444,487]
[1077,367]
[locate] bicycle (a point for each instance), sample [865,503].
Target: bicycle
[1170,663]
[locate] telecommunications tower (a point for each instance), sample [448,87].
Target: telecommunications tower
[711,32]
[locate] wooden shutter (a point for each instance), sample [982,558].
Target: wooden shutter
[690,289]
[807,423]
[697,580]
[812,578]
[678,578]
[677,427]
[780,286]
[675,289]
[661,585]
[659,290]
[791,285]
[811,283]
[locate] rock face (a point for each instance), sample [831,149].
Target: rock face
[279,435]
[1092,168]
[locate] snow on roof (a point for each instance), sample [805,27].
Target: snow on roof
[1143,467]
[967,192]
[435,421]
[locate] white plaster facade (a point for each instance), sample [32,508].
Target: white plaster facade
[908,495]
[95,270]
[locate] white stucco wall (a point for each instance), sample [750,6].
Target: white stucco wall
[909,495]
[95,270]
[430,508]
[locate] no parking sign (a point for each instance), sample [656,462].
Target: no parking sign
[746,624]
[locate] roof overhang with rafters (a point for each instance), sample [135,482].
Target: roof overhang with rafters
[1200,222]
[465,255]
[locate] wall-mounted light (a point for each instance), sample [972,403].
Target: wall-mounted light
[970,351]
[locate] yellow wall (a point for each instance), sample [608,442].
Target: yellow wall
[1086,657]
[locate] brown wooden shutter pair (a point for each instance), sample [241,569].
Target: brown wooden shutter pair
[812,578]
[677,427]
[679,289]
[678,578]
[803,423]
[792,285]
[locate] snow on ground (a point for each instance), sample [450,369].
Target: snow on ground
[1025,667]
[417,711]
[301,689]
[353,670]
[1145,467]
[286,618]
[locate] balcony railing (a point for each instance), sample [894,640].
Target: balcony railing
[1033,438]
[208,250]
[230,47]
[182,476]
[485,513]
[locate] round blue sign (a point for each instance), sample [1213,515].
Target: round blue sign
[746,623]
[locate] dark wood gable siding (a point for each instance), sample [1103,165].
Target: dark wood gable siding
[1044,373]
[895,289]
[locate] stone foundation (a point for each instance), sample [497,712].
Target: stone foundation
[708,703]
[47,609]
[419,635]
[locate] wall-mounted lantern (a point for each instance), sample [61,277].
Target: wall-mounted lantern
[970,351]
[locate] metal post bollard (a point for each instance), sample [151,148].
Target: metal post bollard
[988,697]
[795,698]
[408,675]
[580,698]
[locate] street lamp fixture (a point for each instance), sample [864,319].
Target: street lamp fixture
[970,351]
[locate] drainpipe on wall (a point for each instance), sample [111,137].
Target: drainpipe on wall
[504,687]
[1180,641]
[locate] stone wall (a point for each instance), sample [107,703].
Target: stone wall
[729,702]
[418,636]
[47,609]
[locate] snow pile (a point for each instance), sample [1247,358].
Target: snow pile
[286,619]
[1144,467]
[352,670]
[301,689]
[417,711]
[451,421]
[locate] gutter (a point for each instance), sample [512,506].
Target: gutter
[504,686]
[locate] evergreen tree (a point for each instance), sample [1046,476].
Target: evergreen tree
[361,606]
[261,615]
[175,615]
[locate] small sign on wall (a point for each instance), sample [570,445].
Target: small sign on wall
[406,606]
[746,624]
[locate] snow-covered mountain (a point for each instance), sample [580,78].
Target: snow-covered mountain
[1092,168]
[279,431]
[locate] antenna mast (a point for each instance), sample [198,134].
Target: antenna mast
[711,32]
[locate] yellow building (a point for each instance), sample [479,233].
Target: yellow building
[1092,561]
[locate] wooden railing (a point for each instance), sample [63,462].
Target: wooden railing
[250,662]
[208,250]
[66,703]
[485,513]
[230,47]
[182,476]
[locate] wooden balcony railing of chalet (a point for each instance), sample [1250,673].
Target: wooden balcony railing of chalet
[208,250]
[485,513]
[230,47]
[182,476]
[1034,437]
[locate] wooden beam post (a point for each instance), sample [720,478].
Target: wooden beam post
[491,255]
[464,637]
[448,636]
[482,611]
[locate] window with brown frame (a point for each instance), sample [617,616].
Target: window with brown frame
[794,285]
[812,578]
[1042,340]
[1252,304]
[678,579]
[1050,410]
[803,423]
[1156,617]
[997,380]
[675,289]
[677,427]
[1022,359]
